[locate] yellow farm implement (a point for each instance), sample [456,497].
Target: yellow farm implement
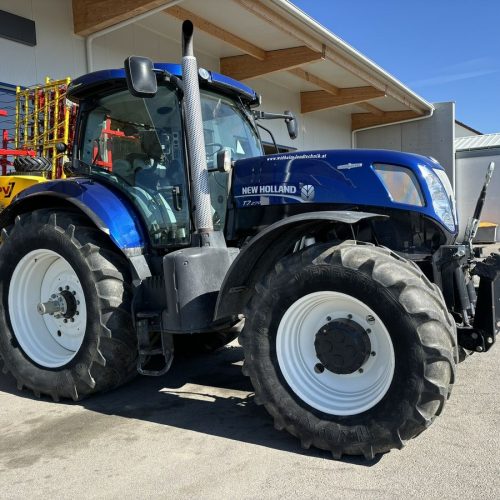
[43,118]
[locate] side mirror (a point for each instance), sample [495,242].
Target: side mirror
[291,125]
[141,78]
[223,161]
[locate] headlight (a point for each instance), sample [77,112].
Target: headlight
[439,196]
[449,191]
[401,184]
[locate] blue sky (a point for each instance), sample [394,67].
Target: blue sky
[444,50]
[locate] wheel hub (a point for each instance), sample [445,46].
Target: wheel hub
[47,308]
[60,305]
[343,346]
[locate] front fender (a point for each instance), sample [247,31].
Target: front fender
[261,253]
[110,211]
[106,208]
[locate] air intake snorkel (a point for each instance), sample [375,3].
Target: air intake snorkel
[202,207]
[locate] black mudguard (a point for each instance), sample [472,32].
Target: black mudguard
[261,253]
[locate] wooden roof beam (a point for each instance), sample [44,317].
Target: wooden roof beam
[90,16]
[247,67]
[252,50]
[319,82]
[266,13]
[363,120]
[217,32]
[332,89]
[370,108]
[321,99]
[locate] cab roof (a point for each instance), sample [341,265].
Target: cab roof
[110,79]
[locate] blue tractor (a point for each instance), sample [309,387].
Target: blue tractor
[339,270]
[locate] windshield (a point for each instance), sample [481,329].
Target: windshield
[138,144]
[225,126]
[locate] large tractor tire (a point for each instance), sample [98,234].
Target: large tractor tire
[32,164]
[350,348]
[65,307]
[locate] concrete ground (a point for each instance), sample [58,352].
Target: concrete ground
[196,433]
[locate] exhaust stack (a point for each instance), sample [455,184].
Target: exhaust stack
[195,138]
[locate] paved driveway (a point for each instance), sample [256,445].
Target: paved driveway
[196,432]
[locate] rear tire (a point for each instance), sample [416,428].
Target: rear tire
[32,164]
[346,413]
[90,349]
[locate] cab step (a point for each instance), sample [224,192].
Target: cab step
[154,348]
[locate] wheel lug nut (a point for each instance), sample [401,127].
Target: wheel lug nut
[60,289]
[67,287]
[65,320]
[370,319]
[368,330]
[328,318]
[319,368]
[77,313]
[361,370]
[349,316]
[74,293]
[72,320]
[373,353]
[59,333]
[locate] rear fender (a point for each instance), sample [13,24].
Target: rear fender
[259,256]
[107,209]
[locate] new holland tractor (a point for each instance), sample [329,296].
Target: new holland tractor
[357,300]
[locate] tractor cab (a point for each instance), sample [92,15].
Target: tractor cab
[138,144]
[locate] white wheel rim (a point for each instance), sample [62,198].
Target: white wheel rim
[48,340]
[331,393]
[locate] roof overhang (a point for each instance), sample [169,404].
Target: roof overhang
[275,41]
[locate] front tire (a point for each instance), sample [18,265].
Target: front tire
[65,307]
[314,331]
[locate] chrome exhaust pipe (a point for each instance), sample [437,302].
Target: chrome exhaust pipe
[202,207]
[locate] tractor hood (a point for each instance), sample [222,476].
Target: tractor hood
[367,178]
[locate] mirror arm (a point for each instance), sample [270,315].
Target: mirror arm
[287,116]
[263,115]
[168,77]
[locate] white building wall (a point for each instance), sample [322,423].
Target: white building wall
[328,129]
[432,136]
[109,51]
[60,53]
[471,172]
